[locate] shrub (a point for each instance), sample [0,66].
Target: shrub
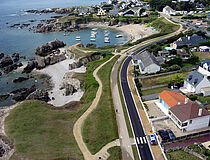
[193,97]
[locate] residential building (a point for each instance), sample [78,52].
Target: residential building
[183,54]
[163,53]
[168,99]
[205,91]
[204,49]
[204,67]
[168,11]
[101,12]
[190,116]
[194,82]
[129,12]
[147,62]
[188,41]
[192,1]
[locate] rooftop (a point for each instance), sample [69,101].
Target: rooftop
[188,111]
[173,98]
[194,78]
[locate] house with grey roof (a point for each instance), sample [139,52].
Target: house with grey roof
[189,116]
[204,67]
[188,41]
[194,82]
[147,62]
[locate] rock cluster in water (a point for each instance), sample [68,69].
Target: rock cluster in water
[9,63]
[47,48]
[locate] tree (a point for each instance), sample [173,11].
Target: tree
[177,61]
[177,80]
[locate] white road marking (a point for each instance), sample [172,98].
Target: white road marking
[145,141]
[141,140]
[137,139]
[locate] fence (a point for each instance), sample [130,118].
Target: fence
[186,137]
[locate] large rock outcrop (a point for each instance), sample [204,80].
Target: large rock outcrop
[6,61]
[24,94]
[84,60]
[47,48]
[39,94]
[70,84]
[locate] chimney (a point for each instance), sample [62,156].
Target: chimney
[186,100]
[200,112]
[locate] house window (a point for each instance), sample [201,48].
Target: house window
[184,124]
[190,121]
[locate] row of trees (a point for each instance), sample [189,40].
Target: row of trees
[179,6]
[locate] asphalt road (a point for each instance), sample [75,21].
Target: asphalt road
[141,141]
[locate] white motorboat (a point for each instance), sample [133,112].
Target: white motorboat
[94,29]
[92,39]
[119,36]
[106,40]
[78,38]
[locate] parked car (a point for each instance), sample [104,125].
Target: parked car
[171,134]
[152,138]
[163,134]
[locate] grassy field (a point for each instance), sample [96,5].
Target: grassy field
[44,132]
[115,153]
[153,91]
[202,55]
[181,155]
[160,79]
[100,127]
[164,25]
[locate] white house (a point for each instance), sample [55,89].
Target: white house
[194,82]
[101,12]
[204,67]
[169,11]
[190,116]
[147,62]
[192,1]
[204,49]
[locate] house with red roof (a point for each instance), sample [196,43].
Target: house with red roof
[168,99]
[189,116]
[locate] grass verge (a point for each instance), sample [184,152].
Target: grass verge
[153,91]
[164,79]
[181,155]
[135,152]
[100,127]
[115,153]
[43,132]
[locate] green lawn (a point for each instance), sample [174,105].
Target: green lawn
[165,79]
[100,127]
[153,91]
[202,55]
[44,132]
[181,155]
[115,153]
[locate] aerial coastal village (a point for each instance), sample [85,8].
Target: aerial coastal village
[105,80]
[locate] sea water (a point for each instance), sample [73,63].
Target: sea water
[25,42]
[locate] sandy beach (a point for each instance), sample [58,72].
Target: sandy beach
[57,72]
[133,31]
